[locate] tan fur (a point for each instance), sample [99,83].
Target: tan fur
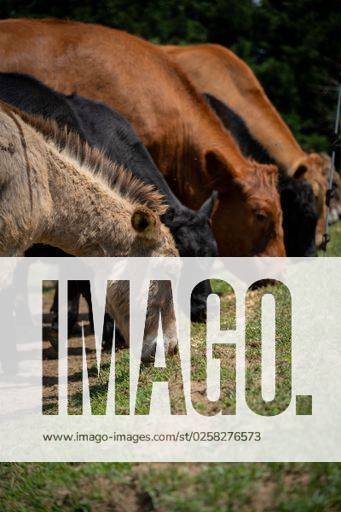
[48,196]
[115,176]
[62,177]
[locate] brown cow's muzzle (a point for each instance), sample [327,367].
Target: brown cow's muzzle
[275,248]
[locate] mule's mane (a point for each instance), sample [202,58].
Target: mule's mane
[117,177]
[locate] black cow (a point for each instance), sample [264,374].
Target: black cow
[297,198]
[107,130]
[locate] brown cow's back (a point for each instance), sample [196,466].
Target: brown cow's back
[70,45]
[161,103]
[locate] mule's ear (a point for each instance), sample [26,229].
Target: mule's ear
[144,221]
[208,205]
[219,171]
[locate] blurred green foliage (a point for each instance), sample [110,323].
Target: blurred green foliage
[292,45]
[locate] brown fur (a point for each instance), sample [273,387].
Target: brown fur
[49,193]
[188,142]
[218,71]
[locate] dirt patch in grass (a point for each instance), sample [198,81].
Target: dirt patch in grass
[165,487]
[124,496]
[50,361]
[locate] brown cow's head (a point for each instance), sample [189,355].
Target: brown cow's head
[312,167]
[247,218]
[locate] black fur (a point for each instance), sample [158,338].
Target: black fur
[33,97]
[297,198]
[299,216]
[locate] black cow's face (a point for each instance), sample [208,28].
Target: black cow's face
[195,237]
[192,230]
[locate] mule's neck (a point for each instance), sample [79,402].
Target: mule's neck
[86,217]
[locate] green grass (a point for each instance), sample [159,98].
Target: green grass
[228,487]
[334,246]
[173,372]
[108,487]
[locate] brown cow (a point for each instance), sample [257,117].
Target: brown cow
[216,70]
[188,142]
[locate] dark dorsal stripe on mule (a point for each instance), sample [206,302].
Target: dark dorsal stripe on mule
[297,198]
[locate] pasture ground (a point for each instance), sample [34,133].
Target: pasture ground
[108,487]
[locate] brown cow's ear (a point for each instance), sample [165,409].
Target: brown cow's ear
[299,169]
[222,176]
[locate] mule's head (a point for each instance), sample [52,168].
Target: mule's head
[247,218]
[312,168]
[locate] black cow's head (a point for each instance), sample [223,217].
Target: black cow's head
[192,229]
[193,236]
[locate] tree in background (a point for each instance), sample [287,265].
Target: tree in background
[292,45]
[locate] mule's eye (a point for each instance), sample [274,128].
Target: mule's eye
[260,216]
